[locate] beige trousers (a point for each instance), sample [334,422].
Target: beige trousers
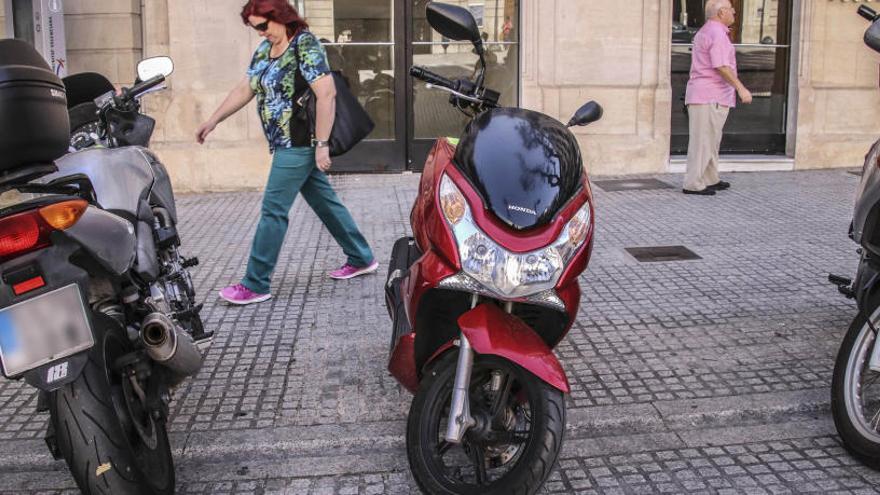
[706,130]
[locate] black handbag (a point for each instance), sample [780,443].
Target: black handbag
[352,123]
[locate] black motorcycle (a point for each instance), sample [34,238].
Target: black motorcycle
[97,307]
[855,391]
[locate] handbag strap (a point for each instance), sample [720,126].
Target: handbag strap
[299,75]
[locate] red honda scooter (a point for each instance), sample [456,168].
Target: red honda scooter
[503,227]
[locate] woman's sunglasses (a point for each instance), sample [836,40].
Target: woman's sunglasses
[263,26]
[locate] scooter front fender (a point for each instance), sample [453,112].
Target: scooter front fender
[492,331]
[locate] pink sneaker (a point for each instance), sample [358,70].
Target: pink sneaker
[347,271]
[240,295]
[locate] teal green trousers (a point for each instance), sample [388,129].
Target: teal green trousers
[294,171]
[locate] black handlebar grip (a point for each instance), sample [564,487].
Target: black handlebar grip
[868,13]
[147,85]
[429,77]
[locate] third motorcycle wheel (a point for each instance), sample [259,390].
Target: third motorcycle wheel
[855,393]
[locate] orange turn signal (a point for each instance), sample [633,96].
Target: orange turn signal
[62,216]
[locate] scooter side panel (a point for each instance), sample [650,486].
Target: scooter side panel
[571,297]
[425,274]
[402,364]
[867,200]
[426,203]
[492,331]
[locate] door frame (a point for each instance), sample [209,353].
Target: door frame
[404,152]
[797,16]
[418,149]
[787,141]
[386,155]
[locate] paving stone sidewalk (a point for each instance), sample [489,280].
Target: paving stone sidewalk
[703,376]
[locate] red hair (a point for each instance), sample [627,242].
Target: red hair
[275,10]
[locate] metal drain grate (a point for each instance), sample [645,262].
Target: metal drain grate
[654,254]
[632,185]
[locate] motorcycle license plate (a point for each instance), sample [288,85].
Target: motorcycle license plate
[43,329]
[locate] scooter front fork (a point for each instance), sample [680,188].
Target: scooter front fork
[460,419]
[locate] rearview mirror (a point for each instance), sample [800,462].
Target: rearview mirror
[587,114]
[155,66]
[872,36]
[454,22]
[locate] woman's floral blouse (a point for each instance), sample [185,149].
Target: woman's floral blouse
[274,83]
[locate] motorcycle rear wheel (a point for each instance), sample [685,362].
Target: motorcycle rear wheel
[855,394]
[527,456]
[96,433]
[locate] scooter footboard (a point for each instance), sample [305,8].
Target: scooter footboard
[492,331]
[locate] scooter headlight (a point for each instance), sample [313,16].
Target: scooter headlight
[504,273]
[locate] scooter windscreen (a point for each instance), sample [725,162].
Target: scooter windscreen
[524,164]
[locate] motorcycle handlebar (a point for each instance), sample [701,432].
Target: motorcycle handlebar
[429,77]
[868,13]
[143,87]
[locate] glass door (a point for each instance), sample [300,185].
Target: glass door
[374,43]
[762,36]
[360,39]
[430,115]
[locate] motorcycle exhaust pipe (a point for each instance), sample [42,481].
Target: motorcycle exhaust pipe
[170,345]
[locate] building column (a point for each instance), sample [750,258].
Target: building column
[104,36]
[211,49]
[838,97]
[617,53]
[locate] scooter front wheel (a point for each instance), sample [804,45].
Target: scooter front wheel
[520,423]
[855,393]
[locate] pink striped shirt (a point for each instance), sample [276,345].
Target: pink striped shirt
[712,50]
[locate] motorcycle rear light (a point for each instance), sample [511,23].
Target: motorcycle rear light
[22,233]
[28,285]
[29,231]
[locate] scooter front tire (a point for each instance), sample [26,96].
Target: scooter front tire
[534,466]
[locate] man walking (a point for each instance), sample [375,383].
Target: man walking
[711,93]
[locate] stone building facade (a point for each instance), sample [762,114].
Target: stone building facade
[569,51]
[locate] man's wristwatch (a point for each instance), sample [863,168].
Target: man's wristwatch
[320,144]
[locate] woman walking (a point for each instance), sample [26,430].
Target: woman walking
[289,60]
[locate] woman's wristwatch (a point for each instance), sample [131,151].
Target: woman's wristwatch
[320,144]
